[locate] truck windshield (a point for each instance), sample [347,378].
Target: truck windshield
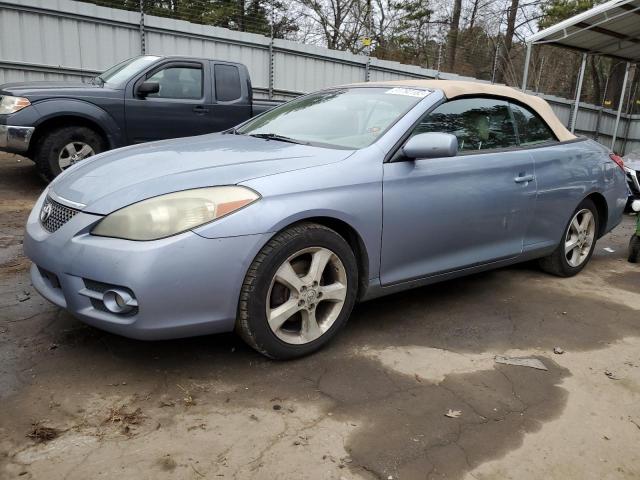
[346,118]
[125,70]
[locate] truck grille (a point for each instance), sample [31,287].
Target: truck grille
[54,215]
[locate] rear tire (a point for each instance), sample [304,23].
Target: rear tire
[582,232]
[298,292]
[61,147]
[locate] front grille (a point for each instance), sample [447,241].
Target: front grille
[54,215]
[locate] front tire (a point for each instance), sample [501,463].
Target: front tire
[577,244]
[62,147]
[298,292]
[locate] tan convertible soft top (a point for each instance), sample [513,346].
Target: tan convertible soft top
[455,88]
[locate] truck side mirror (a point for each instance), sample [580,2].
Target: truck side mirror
[431,145]
[147,88]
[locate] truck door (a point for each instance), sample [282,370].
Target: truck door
[232,96]
[181,108]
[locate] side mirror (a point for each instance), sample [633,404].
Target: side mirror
[431,145]
[147,88]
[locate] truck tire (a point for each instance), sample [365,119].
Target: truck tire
[61,147]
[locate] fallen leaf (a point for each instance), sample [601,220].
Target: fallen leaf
[453,413]
[521,362]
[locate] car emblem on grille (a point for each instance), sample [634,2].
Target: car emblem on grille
[45,213]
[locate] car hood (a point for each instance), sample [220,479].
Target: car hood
[115,179]
[632,163]
[38,89]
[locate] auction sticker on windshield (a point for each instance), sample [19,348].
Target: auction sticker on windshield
[409,92]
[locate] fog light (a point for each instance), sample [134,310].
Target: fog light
[118,301]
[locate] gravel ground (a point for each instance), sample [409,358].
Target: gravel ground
[79,403]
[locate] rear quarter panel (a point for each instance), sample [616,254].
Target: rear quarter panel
[567,173]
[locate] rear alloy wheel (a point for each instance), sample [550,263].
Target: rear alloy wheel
[298,292]
[580,237]
[578,242]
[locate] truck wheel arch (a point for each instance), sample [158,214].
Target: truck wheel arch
[65,112]
[62,121]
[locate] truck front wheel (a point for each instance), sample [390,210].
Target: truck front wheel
[61,147]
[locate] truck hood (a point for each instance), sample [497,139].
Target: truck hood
[34,90]
[115,179]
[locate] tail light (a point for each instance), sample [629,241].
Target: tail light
[617,159]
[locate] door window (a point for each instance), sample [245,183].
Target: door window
[531,128]
[227,82]
[178,82]
[478,123]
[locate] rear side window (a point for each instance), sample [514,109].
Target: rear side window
[531,128]
[227,78]
[478,123]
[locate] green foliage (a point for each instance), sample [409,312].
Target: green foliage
[557,10]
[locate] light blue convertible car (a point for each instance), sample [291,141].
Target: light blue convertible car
[277,227]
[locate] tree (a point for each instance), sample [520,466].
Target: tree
[452,36]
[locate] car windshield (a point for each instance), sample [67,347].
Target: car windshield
[124,70]
[345,118]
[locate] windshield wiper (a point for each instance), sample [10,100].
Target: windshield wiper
[279,138]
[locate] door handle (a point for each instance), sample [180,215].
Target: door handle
[524,178]
[200,109]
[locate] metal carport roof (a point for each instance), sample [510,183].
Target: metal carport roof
[611,29]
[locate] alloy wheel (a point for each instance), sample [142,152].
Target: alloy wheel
[306,295]
[74,152]
[579,238]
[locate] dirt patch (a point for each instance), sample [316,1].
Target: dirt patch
[629,281]
[42,433]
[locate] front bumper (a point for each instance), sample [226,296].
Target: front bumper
[15,139]
[184,285]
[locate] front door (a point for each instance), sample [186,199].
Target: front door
[181,108]
[447,214]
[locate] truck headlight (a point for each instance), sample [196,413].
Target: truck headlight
[9,104]
[174,213]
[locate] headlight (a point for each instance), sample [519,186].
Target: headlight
[10,104]
[174,213]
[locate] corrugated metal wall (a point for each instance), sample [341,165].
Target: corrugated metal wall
[65,40]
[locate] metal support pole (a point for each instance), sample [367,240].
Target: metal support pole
[576,105]
[271,64]
[143,46]
[370,34]
[628,111]
[525,75]
[624,87]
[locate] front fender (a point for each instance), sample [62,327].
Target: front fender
[49,109]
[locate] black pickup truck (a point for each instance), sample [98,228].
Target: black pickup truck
[139,100]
